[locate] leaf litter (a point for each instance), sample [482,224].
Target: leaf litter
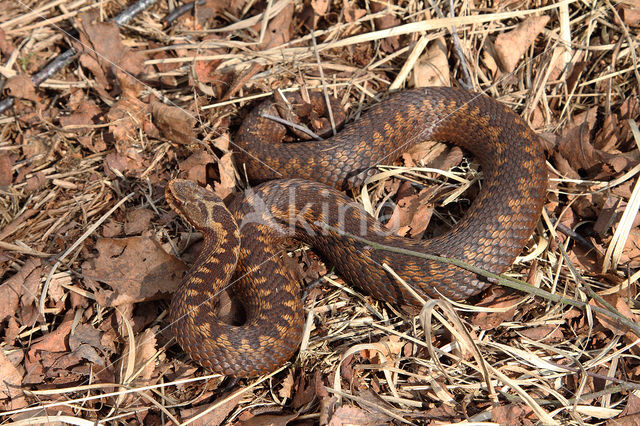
[83,335]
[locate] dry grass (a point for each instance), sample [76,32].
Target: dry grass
[441,365]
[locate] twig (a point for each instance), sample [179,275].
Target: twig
[179,11]
[458,49]
[456,44]
[291,124]
[573,234]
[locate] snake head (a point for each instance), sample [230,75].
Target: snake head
[195,204]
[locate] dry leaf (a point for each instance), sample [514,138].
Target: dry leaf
[351,12]
[403,213]
[6,47]
[176,124]
[389,44]
[84,342]
[353,416]
[504,303]
[108,55]
[511,414]
[21,287]
[56,341]
[630,416]
[21,87]
[138,221]
[268,419]
[612,324]
[143,367]
[126,118]
[195,166]
[83,111]
[6,171]
[135,269]
[287,386]
[630,14]
[575,144]
[10,378]
[33,147]
[510,46]
[389,347]
[545,333]
[631,253]
[215,417]
[227,177]
[432,69]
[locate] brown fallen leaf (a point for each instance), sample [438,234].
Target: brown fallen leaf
[215,417]
[388,347]
[611,324]
[6,47]
[630,13]
[33,146]
[22,87]
[278,31]
[10,378]
[609,214]
[432,69]
[143,367]
[55,342]
[630,415]
[83,111]
[511,414]
[306,18]
[6,171]
[36,181]
[267,419]
[355,416]
[20,289]
[227,176]
[209,9]
[176,124]
[108,55]
[630,256]
[576,145]
[195,166]
[207,73]
[111,228]
[126,117]
[504,306]
[422,215]
[352,12]
[510,46]
[389,44]
[85,343]
[404,210]
[287,386]
[545,333]
[137,221]
[116,164]
[136,269]
[305,390]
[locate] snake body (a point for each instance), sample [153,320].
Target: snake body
[241,242]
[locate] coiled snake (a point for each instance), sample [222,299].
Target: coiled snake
[490,236]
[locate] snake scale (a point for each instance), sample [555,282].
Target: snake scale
[242,242]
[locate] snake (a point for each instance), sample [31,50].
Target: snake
[299,193]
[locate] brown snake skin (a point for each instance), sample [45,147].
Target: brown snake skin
[490,236]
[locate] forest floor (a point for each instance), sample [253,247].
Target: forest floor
[90,252]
